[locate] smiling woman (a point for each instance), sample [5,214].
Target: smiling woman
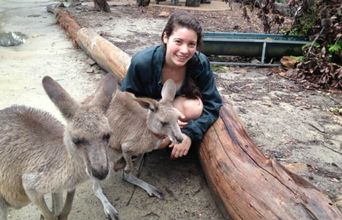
[178,59]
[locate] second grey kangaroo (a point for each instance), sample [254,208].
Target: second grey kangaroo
[38,155]
[139,125]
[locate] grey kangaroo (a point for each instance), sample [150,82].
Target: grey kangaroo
[38,155]
[139,125]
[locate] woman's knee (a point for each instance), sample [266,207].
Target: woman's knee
[191,108]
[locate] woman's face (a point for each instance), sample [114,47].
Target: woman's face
[180,46]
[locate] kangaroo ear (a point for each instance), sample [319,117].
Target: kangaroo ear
[169,91]
[60,97]
[104,92]
[147,103]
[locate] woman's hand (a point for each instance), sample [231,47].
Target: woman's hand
[182,124]
[182,149]
[182,121]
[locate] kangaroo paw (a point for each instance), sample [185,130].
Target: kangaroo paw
[150,189]
[153,191]
[111,213]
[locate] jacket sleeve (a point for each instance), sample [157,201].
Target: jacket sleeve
[133,82]
[211,99]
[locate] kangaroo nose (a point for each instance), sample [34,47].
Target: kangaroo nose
[100,174]
[179,139]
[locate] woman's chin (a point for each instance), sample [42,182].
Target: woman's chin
[180,62]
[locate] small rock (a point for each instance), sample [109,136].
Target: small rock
[335,180]
[282,73]
[90,70]
[164,14]
[237,99]
[90,61]
[12,39]
[289,61]
[297,167]
[335,165]
[242,110]
[317,126]
[255,61]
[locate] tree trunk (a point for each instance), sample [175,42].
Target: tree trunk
[246,183]
[101,5]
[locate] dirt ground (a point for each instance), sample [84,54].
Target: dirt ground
[285,120]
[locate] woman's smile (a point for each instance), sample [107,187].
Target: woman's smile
[181,45]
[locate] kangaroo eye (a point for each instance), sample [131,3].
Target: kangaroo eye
[79,141]
[164,124]
[106,137]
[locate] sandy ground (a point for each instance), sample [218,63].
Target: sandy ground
[47,51]
[285,120]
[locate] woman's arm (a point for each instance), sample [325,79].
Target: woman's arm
[143,75]
[211,99]
[132,82]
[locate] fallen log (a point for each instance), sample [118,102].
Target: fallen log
[251,186]
[106,54]
[65,20]
[246,183]
[99,49]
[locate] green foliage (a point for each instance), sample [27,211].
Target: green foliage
[336,110]
[304,25]
[300,59]
[311,44]
[335,48]
[218,68]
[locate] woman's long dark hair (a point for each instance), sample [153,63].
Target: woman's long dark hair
[183,19]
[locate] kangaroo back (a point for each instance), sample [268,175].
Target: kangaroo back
[38,155]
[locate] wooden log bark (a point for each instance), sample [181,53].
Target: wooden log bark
[246,183]
[66,21]
[107,55]
[251,186]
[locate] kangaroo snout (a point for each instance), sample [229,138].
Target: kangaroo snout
[100,173]
[178,139]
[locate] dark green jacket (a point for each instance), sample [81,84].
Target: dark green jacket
[144,80]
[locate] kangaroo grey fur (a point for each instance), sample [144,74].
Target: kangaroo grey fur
[139,125]
[38,155]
